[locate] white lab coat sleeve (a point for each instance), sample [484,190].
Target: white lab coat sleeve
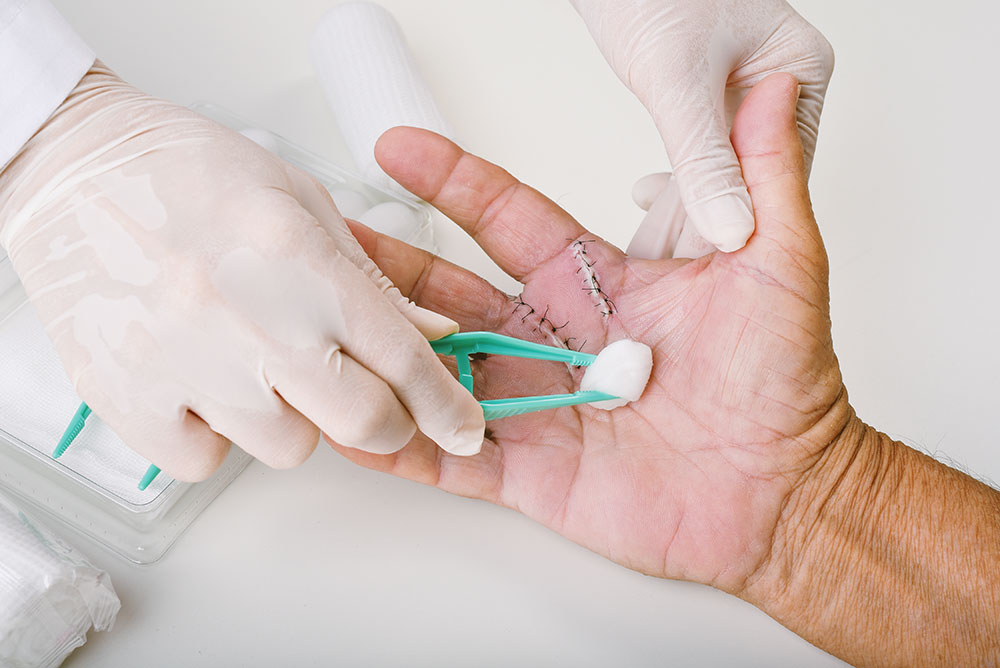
[41,60]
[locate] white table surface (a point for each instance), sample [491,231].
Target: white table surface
[333,565]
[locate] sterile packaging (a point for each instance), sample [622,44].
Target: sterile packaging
[93,487]
[50,595]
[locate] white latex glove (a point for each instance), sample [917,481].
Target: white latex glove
[689,62]
[197,287]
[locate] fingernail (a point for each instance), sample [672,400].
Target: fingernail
[725,222]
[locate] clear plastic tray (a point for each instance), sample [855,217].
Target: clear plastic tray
[138,525]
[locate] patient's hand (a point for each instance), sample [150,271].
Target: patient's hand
[746,393]
[742,466]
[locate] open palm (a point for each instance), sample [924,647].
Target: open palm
[745,394]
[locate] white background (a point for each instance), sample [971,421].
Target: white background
[333,565]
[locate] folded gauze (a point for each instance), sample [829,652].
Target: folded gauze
[50,596]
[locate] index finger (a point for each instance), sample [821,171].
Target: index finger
[518,227]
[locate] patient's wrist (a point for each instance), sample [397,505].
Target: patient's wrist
[822,525]
[884,556]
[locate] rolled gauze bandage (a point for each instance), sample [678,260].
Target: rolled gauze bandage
[50,596]
[371,81]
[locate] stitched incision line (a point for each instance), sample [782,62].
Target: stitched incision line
[591,284]
[545,325]
[591,281]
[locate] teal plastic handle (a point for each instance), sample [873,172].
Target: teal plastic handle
[494,409]
[150,476]
[76,425]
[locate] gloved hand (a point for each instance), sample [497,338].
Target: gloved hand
[690,62]
[197,287]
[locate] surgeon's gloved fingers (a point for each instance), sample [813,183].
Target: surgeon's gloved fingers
[380,338]
[390,347]
[705,166]
[813,73]
[315,199]
[657,235]
[347,401]
[690,244]
[683,89]
[646,190]
[185,448]
[182,445]
[278,435]
[808,110]
[443,409]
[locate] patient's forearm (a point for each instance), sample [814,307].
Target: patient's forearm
[886,557]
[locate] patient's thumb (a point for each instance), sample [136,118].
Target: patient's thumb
[766,138]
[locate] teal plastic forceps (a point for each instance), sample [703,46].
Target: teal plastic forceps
[73,430]
[463,344]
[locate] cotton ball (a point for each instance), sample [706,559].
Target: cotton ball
[621,370]
[350,203]
[392,218]
[262,138]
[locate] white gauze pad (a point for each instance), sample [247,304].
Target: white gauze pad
[371,81]
[50,595]
[37,402]
[621,369]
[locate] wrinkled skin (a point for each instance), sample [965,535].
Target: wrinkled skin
[746,392]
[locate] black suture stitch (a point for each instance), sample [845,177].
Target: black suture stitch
[544,319]
[518,303]
[607,306]
[569,345]
[544,322]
